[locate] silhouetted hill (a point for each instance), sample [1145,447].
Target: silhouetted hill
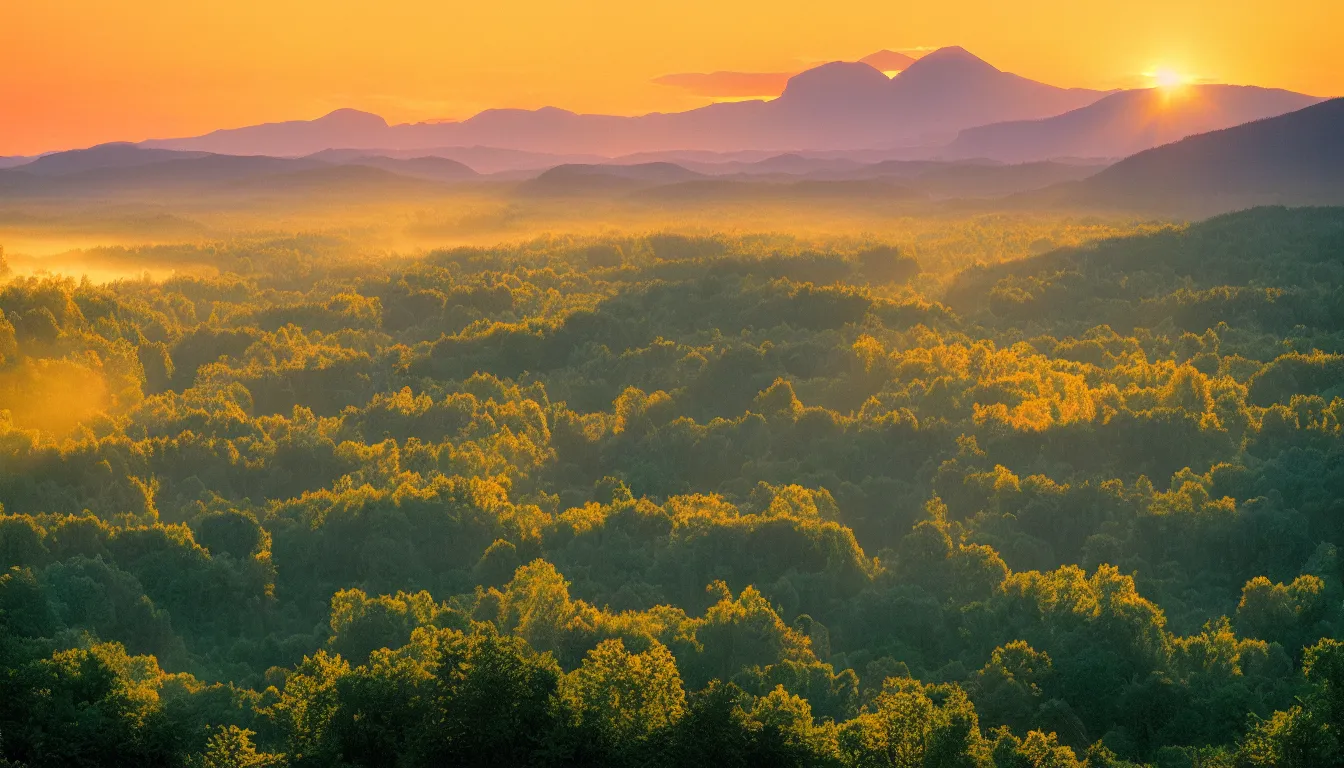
[974,180]
[786,175]
[178,173]
[429,167]
[840,105]
[479,159]
[909,169]
[1127,122]
[200,173]
[653,172]
[601,179]
[113,155]
[341,128]
[798,164]
[14,162]
[1293,159]
[748,190]
[335,180]
[965,178]
[794,177]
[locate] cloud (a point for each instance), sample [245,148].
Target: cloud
[734,85]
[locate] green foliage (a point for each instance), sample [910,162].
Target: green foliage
[683,499]
[622,698]
[232,747]
[905,726]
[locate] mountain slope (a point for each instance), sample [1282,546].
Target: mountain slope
[604,179]
[1293,159]
[113,155]
[342,128]
[479,159]
[951,89]
[1127,122]
[163,173]
[334,181]
[172,172]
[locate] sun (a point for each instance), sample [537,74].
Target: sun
[1166,77]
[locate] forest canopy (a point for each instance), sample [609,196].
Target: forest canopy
[681,498]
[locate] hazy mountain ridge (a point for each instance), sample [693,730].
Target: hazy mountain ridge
[111,155]
[1127,122]
[484,160]
[840,105]
[428,167]
[1292,159]
[117,169]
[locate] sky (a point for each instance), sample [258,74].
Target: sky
[74,73]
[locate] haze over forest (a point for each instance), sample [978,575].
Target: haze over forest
[880,409]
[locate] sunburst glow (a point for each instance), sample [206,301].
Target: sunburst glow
[1166,77]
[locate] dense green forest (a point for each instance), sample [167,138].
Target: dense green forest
[676,499]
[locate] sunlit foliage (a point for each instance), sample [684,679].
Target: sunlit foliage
[678,499]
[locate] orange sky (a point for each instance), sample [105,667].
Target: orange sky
[79,72]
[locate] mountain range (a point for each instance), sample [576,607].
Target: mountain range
[118,170]
[947,125]
[1293,159]
[840,105]
[948,104]
[127,171]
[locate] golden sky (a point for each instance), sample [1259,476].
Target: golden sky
[79,72]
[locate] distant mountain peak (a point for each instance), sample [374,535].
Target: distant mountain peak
[888,61]
[836,81]
[950,57]
[352,117]
[953,53]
